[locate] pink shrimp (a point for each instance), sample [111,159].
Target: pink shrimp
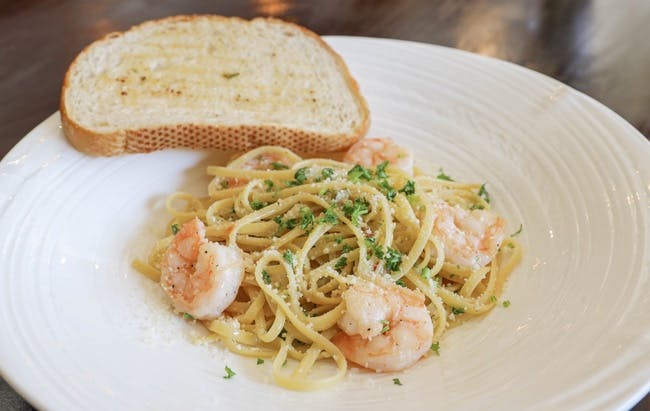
[370,152]
[200,277]
[470,238]
[384,328]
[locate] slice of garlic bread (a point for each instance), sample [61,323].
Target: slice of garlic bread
[211,82]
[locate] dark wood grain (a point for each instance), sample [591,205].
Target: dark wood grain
[602,48]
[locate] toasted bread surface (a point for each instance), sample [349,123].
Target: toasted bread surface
[211,82]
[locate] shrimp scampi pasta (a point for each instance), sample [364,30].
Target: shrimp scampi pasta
[319,261]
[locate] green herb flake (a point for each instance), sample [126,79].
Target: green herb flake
[346,248]
[442,176]
[260,361]
[393,259]
[426,273]
[224,184]
[341,263]
[373,247]
[257,205]
[228,76]
[409,188]
[381,170]
[327,173]
[482,192]
[306,218]
[266,277]
[457,311]
[175,229]
[354,210]
[358,173]
[187,316]
[386,326]
[506,303]
[288,257]
[387,190]
[329,217]
[476,207]
[229,373]
[269,185]
[435,347]
[401,282]
[291,223]
[493,299]
[284,363]
[396,381]
[516,233]
[301,175]
[279,166]
[338,239]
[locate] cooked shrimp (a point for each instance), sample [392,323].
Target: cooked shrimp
[370,152]
[384,328]
[200,277]
[470,238]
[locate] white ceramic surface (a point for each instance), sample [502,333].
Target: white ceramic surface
[82,330]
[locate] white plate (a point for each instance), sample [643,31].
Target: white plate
[81,329]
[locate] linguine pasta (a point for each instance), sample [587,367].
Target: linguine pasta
[309,229]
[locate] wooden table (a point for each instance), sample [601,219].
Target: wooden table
[600,47]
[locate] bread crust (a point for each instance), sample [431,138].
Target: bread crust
[207,136]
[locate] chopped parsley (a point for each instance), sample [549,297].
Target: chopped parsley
[442,176]
[329,217]
[476,207]
[506,303]
[426,273]
[358,173]
[387,189]
[175,229]
[306,218]
[257,205]
[266,277]
[457,311]
[516,233]
[400,282]
[393,259]
[228,76]
[288,224]
[187,316]
[386,326]
[224,184]
[341,263]
[279,166]
[300,177]
[381,170]
[482,192]
[396,381]
[327,173]
[229,373]
[260,361]
[338,239]
[288,257]
[269,185]
[374,248]
[435,347]
[493,299]
[346,248]
[409,188]
[354,210]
